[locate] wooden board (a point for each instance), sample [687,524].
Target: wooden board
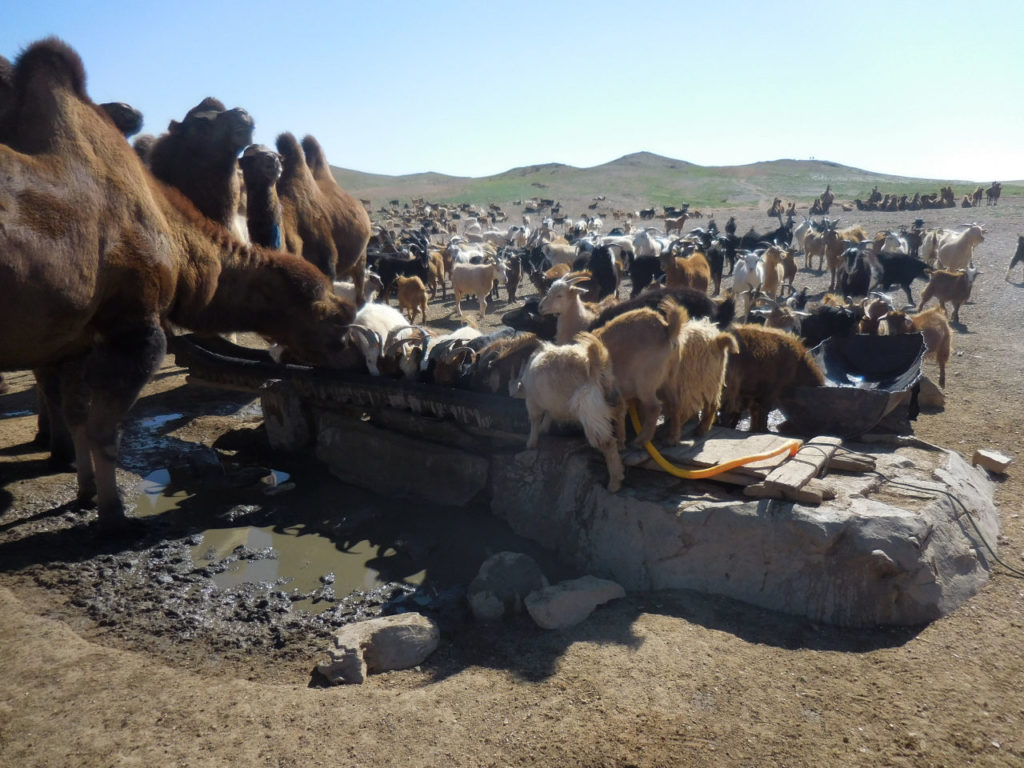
[807,464]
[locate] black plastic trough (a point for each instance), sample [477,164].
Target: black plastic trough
[866,378]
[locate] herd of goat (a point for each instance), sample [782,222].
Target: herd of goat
[682,345]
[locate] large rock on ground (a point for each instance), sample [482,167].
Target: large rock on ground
[378,645]
[897,551]
[568,603]
[502,584]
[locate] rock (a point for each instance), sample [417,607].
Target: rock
[993,461]
[569,602]
[893,553]
[930,395]
[503,582]
[379,645]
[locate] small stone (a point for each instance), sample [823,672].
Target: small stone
[379,645]
[569,602]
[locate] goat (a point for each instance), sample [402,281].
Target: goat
[768,364]
[643,345]
[932,325]
[956,251]
[560,253]
[854,274]
[686,272]
[699,375]
[528,318]
[370,330]
[769,270]
[899,269]
[695,303]
[543,280]
[565,299]
[949,286]
[412,297]
[470,279]
[642,271]
[826,321]
[601,265]
[574,382]
[1018,256]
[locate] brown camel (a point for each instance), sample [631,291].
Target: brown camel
[305,210]
[198,156]
[261,168]
[96,255]
[350,223]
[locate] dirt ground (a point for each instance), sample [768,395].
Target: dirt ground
[99,667]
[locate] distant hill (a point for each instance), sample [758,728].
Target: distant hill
[644,178]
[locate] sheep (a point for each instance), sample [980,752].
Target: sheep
[768,364]
[950,286]
[412,297]
[699,375]
[956,251]
[574,382]
[643,345]
[1018,257]
[932,325]
[473,279]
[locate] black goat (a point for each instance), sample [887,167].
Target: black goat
[528,318]
[854,274]
[696,303]
[391,265]
[642,271]
[899,269]
[826,321]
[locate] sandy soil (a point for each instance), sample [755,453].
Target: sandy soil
[662,679]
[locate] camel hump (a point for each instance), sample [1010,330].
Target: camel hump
[315,157]
[288,145]
[209,104]
[53,63]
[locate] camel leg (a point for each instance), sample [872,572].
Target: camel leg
[115,374]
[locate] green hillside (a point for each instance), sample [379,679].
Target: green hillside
[644,178]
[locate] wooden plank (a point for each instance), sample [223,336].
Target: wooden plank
[807,463]
[809,494]
[850,464]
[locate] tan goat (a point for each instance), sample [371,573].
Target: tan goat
[699,376]
[932,325]
[644,349]
[412,297]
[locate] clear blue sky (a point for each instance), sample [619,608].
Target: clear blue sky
[930,89]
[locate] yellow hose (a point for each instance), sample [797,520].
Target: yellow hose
[792,446]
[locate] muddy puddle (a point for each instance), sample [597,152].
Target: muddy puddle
[295,557]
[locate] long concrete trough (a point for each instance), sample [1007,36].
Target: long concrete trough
[901,545]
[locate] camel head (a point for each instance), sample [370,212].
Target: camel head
[261,166]
[209,124]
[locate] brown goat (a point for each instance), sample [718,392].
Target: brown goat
[644,349]
[769,364]
[686,272]
[412,297]
[933,326]
[949,287]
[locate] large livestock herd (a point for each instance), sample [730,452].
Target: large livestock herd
[107,248]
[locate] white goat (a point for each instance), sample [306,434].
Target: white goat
[565,299]
[371,329]
[956,251]
[468,279]
[573,382]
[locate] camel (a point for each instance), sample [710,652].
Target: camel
[198,156]
[305,211]
[97,256]
[350,223]
[261,168]
[126,117]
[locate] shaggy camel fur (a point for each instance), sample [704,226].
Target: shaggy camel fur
[350,223]
[306,219]
[97,256]
[261,168]
[198,156]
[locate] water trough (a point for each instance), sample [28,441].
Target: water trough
[900,545]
